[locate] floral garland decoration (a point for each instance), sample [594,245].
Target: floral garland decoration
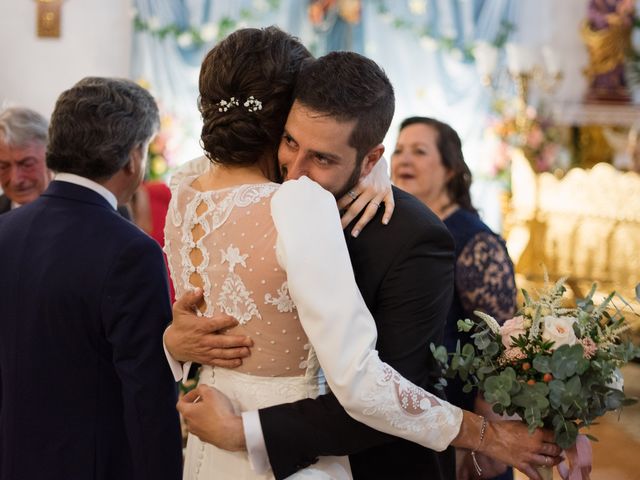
[428,38]
[197,36]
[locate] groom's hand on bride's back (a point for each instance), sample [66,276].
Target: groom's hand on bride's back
[201,339]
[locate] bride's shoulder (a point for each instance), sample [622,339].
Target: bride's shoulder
[186,173]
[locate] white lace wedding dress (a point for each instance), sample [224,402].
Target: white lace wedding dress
[274,257]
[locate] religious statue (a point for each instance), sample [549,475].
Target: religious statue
[607,35]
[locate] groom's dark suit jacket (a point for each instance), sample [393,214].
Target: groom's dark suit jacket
[86,392]
[405,273]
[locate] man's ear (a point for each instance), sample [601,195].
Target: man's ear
[370,160]
[134,154]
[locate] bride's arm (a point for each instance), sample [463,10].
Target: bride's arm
[311,248]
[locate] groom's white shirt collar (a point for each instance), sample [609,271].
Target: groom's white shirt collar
[90,184]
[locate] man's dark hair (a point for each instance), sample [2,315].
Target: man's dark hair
[348,86]
[251,62]
[96,124]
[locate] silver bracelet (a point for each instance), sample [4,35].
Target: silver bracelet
[483,428]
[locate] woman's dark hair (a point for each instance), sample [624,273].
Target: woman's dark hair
[450,149]
[95,125]
[251,62]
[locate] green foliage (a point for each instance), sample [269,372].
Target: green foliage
[465,325]
[567,361]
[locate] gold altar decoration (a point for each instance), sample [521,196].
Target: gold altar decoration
[585,226]
[592,146]
[48,18]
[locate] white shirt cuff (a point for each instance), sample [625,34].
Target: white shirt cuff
[180,371]
[256,448]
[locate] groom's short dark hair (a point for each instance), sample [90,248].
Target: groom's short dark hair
[348,86]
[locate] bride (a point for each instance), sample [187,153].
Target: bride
[232,231]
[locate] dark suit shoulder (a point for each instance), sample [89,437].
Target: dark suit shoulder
[412,222]
[413,212]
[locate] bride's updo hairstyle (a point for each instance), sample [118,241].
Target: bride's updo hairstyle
[246,91]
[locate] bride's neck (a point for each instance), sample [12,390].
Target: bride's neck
[224,176]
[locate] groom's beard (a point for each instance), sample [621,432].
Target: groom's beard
[351,182]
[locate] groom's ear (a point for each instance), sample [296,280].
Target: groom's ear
[370,160]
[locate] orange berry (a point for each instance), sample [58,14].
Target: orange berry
[531,381]
[526,366]
[547,377]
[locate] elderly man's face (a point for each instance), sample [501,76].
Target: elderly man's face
[23,171]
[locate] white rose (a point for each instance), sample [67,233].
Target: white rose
[559,330]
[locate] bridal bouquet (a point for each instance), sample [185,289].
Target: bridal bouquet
[552,366]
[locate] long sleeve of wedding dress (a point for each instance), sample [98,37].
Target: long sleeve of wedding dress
[312,250]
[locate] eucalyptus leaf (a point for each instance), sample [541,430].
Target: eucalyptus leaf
[465,325]
[492,349]
[542,364]
[566,434]
[565,360]
[468,350]
[439,353]
[482,341]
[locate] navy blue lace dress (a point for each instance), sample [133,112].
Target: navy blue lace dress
[484,280]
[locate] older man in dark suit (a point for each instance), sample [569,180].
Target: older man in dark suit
[86,392]
[23,171]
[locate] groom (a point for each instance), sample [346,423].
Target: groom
[343,106]
[85,390]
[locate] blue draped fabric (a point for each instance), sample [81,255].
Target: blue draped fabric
[428,81]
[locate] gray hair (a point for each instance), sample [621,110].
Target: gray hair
[20,127]
[96,124]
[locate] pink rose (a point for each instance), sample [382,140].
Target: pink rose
[511,329]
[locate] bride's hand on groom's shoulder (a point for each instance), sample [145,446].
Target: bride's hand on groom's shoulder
[209,415]
[201,339]
[371,193]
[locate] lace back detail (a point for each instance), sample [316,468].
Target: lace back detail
[224,241]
